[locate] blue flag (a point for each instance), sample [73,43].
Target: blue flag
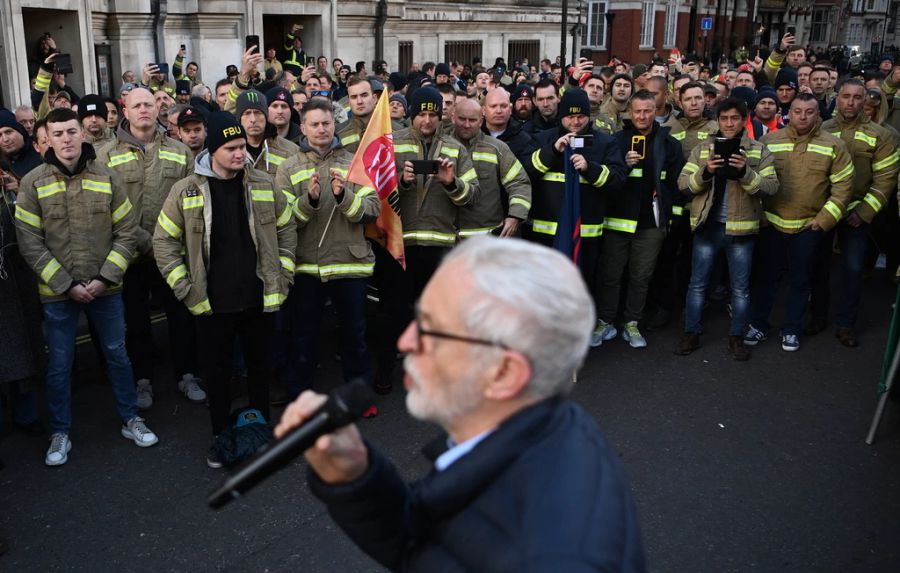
[568,231]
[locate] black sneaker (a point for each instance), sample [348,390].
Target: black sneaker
[212,458]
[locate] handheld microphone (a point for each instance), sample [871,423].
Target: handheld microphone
[344,405]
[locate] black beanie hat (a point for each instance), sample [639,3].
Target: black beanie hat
[786,77]
[91,104]
[222,127]
[278,93]
[574,102]
[8,119]
[398,81]
[426,98]
[250,99]
[183,87]
[442,69]
[747,94]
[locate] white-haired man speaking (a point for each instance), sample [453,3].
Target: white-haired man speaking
[525,482]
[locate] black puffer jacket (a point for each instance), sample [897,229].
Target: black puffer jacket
[543,493]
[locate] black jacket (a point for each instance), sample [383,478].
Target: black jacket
[539,124]
[543,493]
[520,142]
[604,177]
[667,163]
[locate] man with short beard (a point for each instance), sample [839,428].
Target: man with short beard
[874,182]
[93,113]
[163,103]
[766,110]
[279,114]
[523,104]
[149,163]
[616,107]
[595,88]
[265,147]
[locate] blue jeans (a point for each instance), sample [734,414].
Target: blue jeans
[708,242]
[775,251]
[60,321]
[306,303]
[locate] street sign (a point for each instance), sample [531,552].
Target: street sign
[706,23]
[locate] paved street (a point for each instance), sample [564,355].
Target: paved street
[758,466]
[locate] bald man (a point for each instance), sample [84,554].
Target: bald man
[497,112]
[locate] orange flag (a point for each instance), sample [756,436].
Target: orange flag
[374,166]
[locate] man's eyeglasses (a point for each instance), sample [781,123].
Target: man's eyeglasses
[421,331]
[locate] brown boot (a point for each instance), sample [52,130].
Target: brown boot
[737,349]
[847,337]
[690,341]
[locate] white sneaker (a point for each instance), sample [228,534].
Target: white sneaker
[603,332]
[633,336]
[137,431]
[60,446]
[191,389]
[144,394]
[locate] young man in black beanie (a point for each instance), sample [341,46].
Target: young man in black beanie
[92,113]
[225,243]
[16,146]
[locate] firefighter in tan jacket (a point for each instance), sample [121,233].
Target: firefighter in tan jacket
[504,194]
[76,228]
[149,164]
[875,179]
[725,213]
[815,173]
[334,260]
[225,242]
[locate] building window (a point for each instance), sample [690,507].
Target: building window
[466,51]
[521,50]
[595,31]
[405,56]
[819,30]
[671,24]
[648,20]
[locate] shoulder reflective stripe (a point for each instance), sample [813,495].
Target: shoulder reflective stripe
[679,136]
[178,272]
[554,176]
[886,162]
[860,136]
[121,211]
[406,148]
[690,168]
[636,172]
[117,259]
[275,159]
[588,231]
[171,156]
[536,161]
[116,160]
[601,179]
[780,147]
[520,201]
[623,225]
[469,175]
[28,217]
[192,202]
[473,232]
[200,307]
[450,151]
[754,153]
[767,171]
[301,176]
[49,270]
[51,189]
[544,227]
[98,186]
[486,157]
[833,209]
[512,173]
[821,150]
[262,195]
[873,202]
[677,210]
[787,223]
[287,263]
[352,138]
[842,174]
[741,225]
[170,227]
[430,236]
